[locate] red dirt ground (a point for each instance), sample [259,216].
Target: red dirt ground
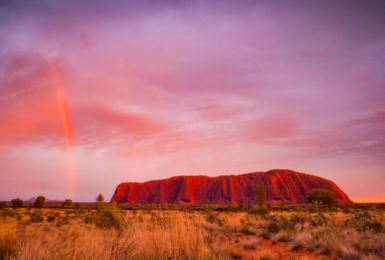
[275,248]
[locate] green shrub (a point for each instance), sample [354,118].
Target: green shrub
[376,226]
[89,219]
[345,209]
[371,225]
[362,215]
[8,213]
[311,209]
[19,216]
[258,211]
[253,245]
[246,229]
[51,218]
[286,223]
[36,216]
[211,217]
[109,217]
[65,220]
[273,226]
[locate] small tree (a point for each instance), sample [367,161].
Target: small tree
[281,206]
[67,202]
[260,194]
[321,196]
[17,203]
[99,202]
[2,204]
[39,202]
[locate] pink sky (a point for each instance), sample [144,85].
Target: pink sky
[95,93]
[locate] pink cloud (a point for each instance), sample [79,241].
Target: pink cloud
[159,81]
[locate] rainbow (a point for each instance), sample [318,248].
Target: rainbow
[67,125]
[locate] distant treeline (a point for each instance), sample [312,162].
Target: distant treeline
[213,207]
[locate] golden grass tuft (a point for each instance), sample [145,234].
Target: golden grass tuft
[8,241]
[266,255]
[235,253]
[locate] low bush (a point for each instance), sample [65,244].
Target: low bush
[273,226]
[89,219]
[36,216]
[250,245]
[247,229]
[108,217]
[281,236]
[66,220]
[260,211]
[211,217]
[18,215]
[8,213]
[51,218]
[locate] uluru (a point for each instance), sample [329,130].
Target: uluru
[285,186]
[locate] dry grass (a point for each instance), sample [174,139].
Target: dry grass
[281,236]
[8,240]
[250,245]
[266,255]
[340,243]
[168,235]
[235,253]
[146,234]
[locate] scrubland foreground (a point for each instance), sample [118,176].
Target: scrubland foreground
[110,233]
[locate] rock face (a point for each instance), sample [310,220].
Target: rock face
[281,185]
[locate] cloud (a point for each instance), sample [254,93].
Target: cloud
[168,79]
[273,127]
[362,136]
